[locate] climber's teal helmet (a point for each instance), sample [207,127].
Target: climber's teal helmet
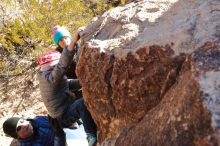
[60,32]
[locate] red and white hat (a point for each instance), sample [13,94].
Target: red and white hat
[48,60]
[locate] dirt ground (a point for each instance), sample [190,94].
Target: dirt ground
[19,96]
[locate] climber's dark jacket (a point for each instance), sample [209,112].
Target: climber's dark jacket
[55,87]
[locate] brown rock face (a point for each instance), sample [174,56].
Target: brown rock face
[179,119]
[150,73]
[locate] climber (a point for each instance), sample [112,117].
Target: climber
[62,38]
[34,132]
[55,89]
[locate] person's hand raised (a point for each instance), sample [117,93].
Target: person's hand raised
[76,37]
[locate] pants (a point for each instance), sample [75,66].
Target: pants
[76,111]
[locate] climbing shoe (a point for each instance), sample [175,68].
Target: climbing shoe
[91,138]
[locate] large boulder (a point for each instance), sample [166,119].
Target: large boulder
[150,73]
